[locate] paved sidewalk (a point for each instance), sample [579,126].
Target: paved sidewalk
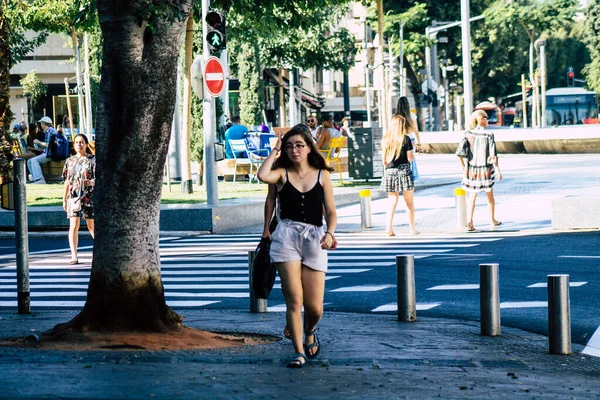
[362,356]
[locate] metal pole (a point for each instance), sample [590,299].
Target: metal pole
[459,112]
[256,305]
[186,130]
[402,71]
[367,77]
[489,297]
[524,89]
[559,314]
[428,69]
[81,115]
[365,208]
[543,78]
[466,54]
[22,241]
[405,276]
[88,88]
[383,106]
[292,89]
[461,209]
[210,165]
[69,110]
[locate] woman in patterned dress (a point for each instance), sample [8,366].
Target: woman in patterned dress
[478,147]
[80,177]
[397,154]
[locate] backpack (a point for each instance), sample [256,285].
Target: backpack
[58,147]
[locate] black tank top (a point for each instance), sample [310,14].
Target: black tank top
[302,207]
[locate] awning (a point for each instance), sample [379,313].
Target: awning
[334,104]
[309,99]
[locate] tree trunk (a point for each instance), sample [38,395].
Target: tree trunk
[6,114]
[137,98]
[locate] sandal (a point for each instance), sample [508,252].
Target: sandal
[296,361]
[390,233]
[314,344]
[73,262]
[470,228]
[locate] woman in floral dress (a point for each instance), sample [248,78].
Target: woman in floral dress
[80,177]
[479,159]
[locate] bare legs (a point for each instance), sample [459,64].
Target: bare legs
[409,196]
[392,203]
[74,223]
[491,205]
[73,236]
[302,286]
[410,208]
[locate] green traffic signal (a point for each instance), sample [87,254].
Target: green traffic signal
[215,36]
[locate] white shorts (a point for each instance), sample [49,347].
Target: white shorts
[293,241]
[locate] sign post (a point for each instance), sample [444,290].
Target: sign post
[214,76]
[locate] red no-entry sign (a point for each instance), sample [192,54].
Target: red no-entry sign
[214,76]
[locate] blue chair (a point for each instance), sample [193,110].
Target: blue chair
[244,156]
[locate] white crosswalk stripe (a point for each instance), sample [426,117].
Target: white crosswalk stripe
[212,270]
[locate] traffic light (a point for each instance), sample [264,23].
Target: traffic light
[570,77]
[215,35]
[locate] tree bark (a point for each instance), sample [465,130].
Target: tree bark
[137,98]
[6,114]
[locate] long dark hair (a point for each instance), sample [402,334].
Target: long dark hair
[403,109]
[315,159]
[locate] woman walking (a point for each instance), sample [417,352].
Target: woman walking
[397,154]
[478,147]
[403,109]
[79,174]
[299,243]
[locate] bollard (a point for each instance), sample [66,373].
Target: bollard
[365,208]
[461,208]
[256,305]
[405,277]
[21,237]
[489,297]
[559,314]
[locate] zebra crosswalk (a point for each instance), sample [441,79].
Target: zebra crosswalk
[212,270]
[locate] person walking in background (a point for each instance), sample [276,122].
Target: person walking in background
[403,109]
[34,164]
[397,153]
[345,128]
[299,243]
[478,148]
[79,174]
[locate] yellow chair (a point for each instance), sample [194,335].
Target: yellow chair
[333,153]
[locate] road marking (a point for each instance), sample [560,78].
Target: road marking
[455,287]
[592,347]
[578,256]
[283,308]
[524,304]
[545,284]
[346,271]
[167,294]
[394,307]
[365,288]
[80,304]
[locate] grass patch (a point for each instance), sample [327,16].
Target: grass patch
[52,194]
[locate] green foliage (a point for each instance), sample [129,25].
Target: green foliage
[197,131]
[501,44]
[33,87]
[251,85]
[592,39]
[290,33]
